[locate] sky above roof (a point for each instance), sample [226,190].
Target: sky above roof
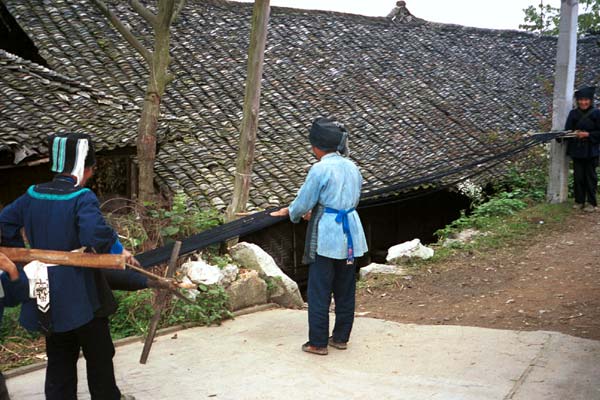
[495,14]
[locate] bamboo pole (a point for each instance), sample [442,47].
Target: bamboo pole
[88,260]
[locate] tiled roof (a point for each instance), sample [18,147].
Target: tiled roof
[412,95]
[38,102]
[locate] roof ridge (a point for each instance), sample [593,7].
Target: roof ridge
[416,22]
[236,4]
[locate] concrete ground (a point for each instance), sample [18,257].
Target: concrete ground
[258,356]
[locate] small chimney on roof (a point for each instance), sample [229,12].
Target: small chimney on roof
[400,13]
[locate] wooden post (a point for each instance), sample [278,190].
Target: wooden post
[564,81]
[161,300]
[245,158]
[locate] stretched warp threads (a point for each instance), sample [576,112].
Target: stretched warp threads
[261,220]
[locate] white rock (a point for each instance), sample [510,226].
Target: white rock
[229,274]
[201,272]
[253,257]
[414,248]
[374,268]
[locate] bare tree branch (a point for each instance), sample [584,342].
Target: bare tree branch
[123,30]
[148,15]
[177,10]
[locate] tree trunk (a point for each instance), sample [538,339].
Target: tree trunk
[146,146]
[245,158]
[157,82]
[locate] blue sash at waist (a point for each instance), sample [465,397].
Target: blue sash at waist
[342,217]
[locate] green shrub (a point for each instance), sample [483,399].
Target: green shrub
[153,225]
[498,207]
[182,219]
[135,310]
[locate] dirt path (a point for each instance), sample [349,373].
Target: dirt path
[549,282]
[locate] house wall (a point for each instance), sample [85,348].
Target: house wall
[385,225]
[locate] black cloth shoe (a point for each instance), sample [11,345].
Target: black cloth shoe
[338,345]
[309,348]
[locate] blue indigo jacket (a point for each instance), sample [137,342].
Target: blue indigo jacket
[61,216]
[333,182]
[14,292]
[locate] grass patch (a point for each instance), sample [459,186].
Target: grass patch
[18,347]
[500,231]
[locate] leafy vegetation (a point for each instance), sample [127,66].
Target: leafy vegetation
[152,225]
[545,19]
[155,225]
[135,311]
[516,210]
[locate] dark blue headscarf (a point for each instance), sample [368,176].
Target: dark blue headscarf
[329,135]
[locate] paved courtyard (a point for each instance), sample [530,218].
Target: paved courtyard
[257,356]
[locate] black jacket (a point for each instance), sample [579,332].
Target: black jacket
[588,121]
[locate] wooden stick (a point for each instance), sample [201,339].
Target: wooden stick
[161,301]
[88,260]
[160,278]
[146,273]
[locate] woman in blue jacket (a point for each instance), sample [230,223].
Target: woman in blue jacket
[328,199]
[73,303]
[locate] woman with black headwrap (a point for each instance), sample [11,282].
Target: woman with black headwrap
[335,236]
[585,148]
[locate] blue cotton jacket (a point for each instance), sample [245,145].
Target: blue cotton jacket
[334,182]
[14,292]
[61,216]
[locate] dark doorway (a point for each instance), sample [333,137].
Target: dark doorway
[415,215]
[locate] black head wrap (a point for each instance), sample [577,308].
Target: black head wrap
[70,153]
[585,93]
[329,135]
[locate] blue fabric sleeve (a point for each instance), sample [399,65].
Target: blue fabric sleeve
[11,222]
[15,292]
[117,248]
[94,232]
[308,195]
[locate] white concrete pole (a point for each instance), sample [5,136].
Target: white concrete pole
[564,81]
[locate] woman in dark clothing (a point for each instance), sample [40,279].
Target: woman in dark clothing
[585,148]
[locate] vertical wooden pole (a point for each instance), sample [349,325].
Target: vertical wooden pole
[563,99]
[161,300]
[245,158]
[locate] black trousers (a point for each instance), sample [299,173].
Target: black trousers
[327,276]
[63,348]
[585,180]
[3,390]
